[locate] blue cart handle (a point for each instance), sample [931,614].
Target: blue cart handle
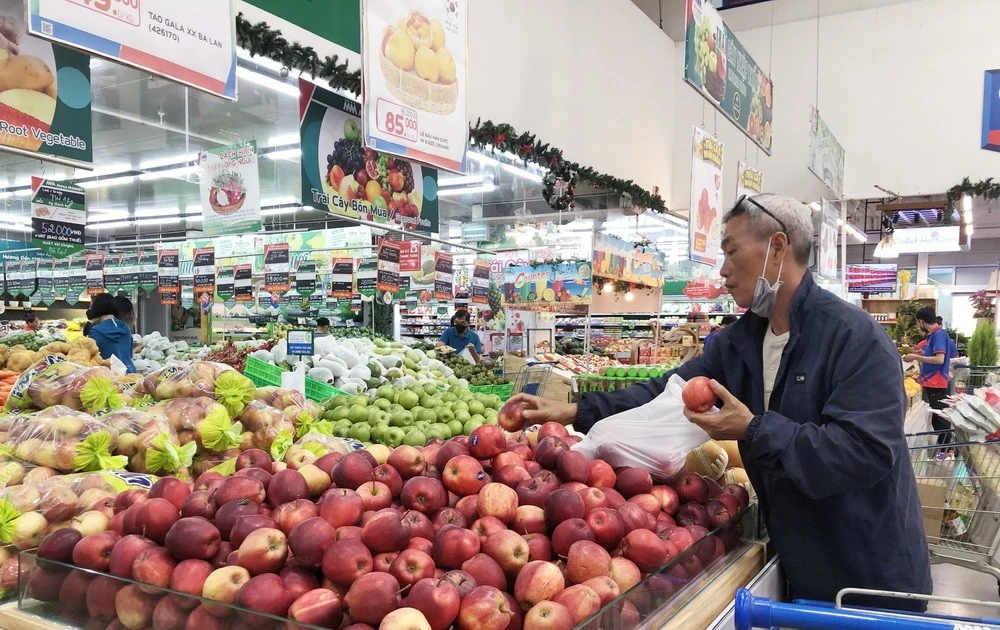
[762,612]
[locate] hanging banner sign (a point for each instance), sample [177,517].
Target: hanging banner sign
[409,255]
[95,273]
[414,73]
[705,218]
[356,303]
[45,103]
[243,284]
[46,293]
[339,175]
[130,272]
[749,181]
[12,273]
[388,267]
[828,241]
[230,189]
[618,260]
[225,284]
[444,276]
[826,155]
[305,278]
[991,111]
[113,273]
[561,288]
[58,216]
[77,279]
[168,275]
[367,277]
[147,271]
[277,268]
[342,278]
[203,270]
[718,66]
[481,282]
[187,41]
[60,277]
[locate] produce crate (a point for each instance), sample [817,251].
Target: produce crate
[504,391]
[262,373]
[318,391]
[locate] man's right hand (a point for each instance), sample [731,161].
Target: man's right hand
[539,410]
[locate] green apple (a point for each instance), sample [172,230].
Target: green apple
[351,129]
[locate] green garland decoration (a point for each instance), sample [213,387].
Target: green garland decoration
[558,185]
[261,39]
[987,188]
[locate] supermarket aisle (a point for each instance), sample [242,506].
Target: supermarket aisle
[954,581]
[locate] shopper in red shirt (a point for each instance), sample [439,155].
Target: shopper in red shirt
[935,360]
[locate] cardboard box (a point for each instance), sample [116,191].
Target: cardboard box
[932,493]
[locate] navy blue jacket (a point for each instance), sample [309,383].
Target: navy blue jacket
[829,460]
[114,337]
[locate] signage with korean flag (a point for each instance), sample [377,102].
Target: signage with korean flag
[705,211]
[414,73]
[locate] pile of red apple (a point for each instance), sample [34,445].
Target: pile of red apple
[483,532]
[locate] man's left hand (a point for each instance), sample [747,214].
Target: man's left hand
[729,423]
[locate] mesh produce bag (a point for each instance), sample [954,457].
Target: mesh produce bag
[56,381]
[202,420]
[201,378]
[150,442]
[263,424]
[61,438]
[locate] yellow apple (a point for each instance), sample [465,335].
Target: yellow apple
[399,50]
[447,65]
[426,63]
[437,35]
[379,451]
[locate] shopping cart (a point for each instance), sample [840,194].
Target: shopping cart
[531,379]
[761,612]
[959,488]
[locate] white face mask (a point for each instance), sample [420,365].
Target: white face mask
[765,294]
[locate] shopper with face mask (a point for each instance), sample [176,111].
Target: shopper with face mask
[812,388]
[459,337]
[937,352]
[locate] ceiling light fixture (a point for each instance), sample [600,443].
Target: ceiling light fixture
[279,211]
[106,183]
[886,248]
[283,139]
[460,180]
[520,172]
[265,81]
[454,192]
[168,161]
[967,203]
[179,173]
[10,227]
[284,154]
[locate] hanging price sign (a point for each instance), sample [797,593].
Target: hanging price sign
[277,268]
[204,271]
[305,278]
[243,284]
[94,273]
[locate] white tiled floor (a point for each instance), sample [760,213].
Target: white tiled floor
[955,581]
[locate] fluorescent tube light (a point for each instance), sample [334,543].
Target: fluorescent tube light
[278,211]
[266,81]
[285,154]
[520,172]
[283,139]
[460,180]
[106,183]
[10,227]
[453,192]
[967,203]
[278,201]
[168,161]
[179,173]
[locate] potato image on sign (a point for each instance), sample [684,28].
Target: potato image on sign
[27,91]
[418,68]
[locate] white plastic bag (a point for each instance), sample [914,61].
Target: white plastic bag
[467,355]
[656,436]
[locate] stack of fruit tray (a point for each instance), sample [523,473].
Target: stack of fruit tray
[618,378]
[264,374]
[504,391]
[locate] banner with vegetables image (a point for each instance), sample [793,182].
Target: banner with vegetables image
[559,288]
[720,68]
[342,177]
[45,103]
[705,213]
[230,189]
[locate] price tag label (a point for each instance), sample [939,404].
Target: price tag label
[127,11]
[396,119]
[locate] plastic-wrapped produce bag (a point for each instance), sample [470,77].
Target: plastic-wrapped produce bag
[656,436]
[150,442]
[56,381]
[61,438]
[202,420]
[202,378]
[263,424]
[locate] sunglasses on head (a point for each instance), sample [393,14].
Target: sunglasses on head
[738,210]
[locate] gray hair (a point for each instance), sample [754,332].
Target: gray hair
[793,213]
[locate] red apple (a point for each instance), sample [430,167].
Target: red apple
[529,519]
[221,557]
[450,449]
[691,488]
[461,580]
[153,566]
[607,527]
[587,560]
[372,597]
[552,429]
[420,525]
[264,550]
[506,458]
[697,394]
[539,547]
[124,553]
[508,549]
[208,480]
[288,515]
[201,619]
[129,498]
[548,450]
[534,491]
[738,491]
[437,599]
[549,615]
[645,549]
[266,594]
[390,477]
[411,566]
[134,607]
[601,474]
[538,581]
[58,545]
[605,587]
[298,580]
[572,466]
[375,495]
[101,596]
[487,526]
[386,531]
[561,505]
[246,524]
[487,441]
[463,475]
[346,560]
[154,518]
[73,592]
[253,458]
[318,607]
[625,573]
[241,487]
[189,577]
[634,517]
[193,537]
[680,537]
[485,571]
[348,531]
[169,615]
[667,498]
[693,514]
[569,532]
[223,585]
[511,416]
[469,507]
[309,541]
[485,608]
[353,470]
[496,499]
[633,481]
[199,503]
[423,495]
[226,515]
[580,600]
[647,502]
[287,486]
[453,546]
[407,460]
[340,507]
[615,499]
[593,498]
[171,489]
[511,475]
[94,551]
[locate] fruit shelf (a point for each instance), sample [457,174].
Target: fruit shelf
[689,591]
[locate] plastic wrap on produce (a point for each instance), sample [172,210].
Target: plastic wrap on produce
[280,397]
[150,442]
[56,381]
[262,424]
[61,438]
[656,436]
[320,444]
[200,419]
[28,512]
[201,378]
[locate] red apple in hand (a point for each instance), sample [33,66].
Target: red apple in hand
[698,395]
[511,416]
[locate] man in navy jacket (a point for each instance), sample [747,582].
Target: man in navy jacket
[812,388]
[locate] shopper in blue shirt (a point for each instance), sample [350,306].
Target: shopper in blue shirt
[937,351]
[459,337]
[112,335]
